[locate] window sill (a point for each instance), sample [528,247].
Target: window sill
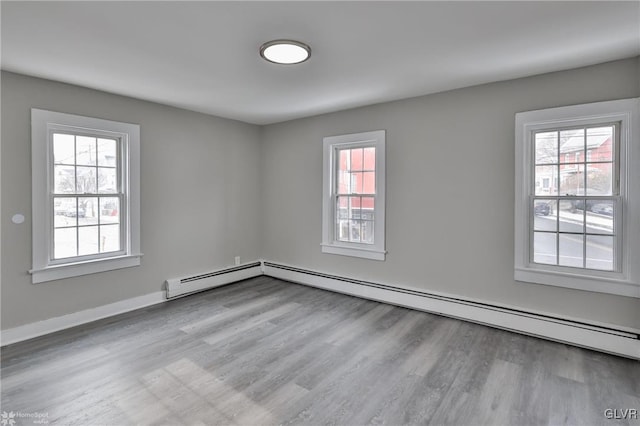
[69,270]
[365,253]
[620,287]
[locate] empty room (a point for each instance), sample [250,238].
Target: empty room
[320,213]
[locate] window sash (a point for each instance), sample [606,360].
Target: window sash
[615,234]
[80,258]
[121,178]
[583,160]
[335,191]
[338,221]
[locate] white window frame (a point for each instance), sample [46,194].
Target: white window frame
[624,281]
[330,244]
[43,124]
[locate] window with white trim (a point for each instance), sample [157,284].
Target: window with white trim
[354,195]
[582,231]
[86,207]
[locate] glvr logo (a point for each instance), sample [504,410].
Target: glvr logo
[621,413]
[7,419]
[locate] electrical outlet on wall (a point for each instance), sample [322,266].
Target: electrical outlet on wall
[237,260]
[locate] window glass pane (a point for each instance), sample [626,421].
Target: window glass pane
[342,206]
[343,230]
[356,159]
[355,231]
[546,180]
[600,214]
[600,142]
[87,240]
[86,151]
[87,211]
[86,180]
[107,152]
[63,149]
[369,183]
[545,215]
[368,207]
[110,210]
[600,179]
[344,182]
[64,243]
[64,212]
[571,145]
[571,250]
[343,163]
[572,179]
[366,232]
[544,248]
[546,147]
[354,207]
[600,252]
[571,214]
[107,180]
[370,158]
[356,182]
[109,238]
[64,180]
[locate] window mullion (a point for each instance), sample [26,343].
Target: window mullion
[558,238]
[616,158]
[584,231]
[77,226]
[99,215]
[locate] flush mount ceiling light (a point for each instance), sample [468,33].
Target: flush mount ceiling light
[287,52]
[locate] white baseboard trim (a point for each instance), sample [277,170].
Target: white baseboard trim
[609,339]
[40,328]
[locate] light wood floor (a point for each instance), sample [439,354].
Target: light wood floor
[264,351]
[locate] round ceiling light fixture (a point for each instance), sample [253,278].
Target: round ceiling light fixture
[286,52]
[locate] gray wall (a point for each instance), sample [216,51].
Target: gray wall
[214,188]
[450,190]
[199,186]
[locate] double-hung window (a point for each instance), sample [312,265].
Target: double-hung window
[353,195]
[85,195]
[577,197]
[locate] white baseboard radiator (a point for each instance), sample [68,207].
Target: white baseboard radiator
[178,287]
[602,337]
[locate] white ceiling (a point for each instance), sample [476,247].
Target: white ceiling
[203,56]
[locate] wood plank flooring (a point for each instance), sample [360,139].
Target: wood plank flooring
[266,352]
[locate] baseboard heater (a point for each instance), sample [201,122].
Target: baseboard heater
[178,287]
[605,338]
